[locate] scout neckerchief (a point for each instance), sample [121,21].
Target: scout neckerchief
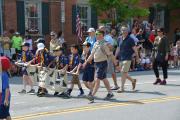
[24,56]
[71,60]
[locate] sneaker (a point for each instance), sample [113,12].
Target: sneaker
[81,95]
[41,94]
[115,88]
[66,95]
[90,98]
[32,91]
[163,82]
[120,91]
[134,84]
[56,93]
[22,91]
[157,81]
[109,96]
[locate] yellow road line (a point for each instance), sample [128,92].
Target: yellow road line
[95,107]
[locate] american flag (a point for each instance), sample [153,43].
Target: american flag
[78,28]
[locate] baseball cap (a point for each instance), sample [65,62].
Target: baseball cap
[99,32]
[25,44]
[91,30]
[17,33]
[5,63]
[40,46]
[40,40]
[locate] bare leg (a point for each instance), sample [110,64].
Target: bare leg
[107,85]
[96,87]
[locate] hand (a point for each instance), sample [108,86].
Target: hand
[84,65]
[6,102]
[137,60]
[166,58]
[118,68]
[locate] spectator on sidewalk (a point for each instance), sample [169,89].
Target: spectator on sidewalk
[17,42]
[91,37]
[6,44]
[161,56]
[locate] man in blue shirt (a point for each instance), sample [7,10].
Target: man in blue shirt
[125,50]
[91,38]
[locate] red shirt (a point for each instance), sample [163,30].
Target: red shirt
[152,38]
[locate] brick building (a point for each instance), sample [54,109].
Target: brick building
[39,17]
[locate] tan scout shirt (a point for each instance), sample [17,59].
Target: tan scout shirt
[101,52]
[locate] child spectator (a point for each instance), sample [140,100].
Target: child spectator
[4,89]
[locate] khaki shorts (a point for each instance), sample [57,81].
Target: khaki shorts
[125,65]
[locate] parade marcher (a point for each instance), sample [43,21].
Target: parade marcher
[110,43]
[5,94]
[89,70]
[125,50]
[91,38]
[100,54]
[74,60]
[60,62]
[17,42]
[42,59]
[29,40]
[26,56]
[161,52]
[54,41]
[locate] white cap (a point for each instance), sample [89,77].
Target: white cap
[101,27]
[40,46]
[91,30]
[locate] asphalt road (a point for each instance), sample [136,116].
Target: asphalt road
[148,102]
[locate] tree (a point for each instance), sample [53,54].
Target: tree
[119,10]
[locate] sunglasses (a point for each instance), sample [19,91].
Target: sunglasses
[158,31]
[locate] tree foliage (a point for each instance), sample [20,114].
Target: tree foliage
[124,9]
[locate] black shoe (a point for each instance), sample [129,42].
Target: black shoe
[109,96]
[56,93]
[66,95]
[41,94]
[157,81]
[22,91]
[32,91]
[90,98]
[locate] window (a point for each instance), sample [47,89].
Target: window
[160,18]
[85,16]
[33,17]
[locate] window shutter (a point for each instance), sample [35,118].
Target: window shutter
[94,18]
[20,17]
[152,14]
[74,19]
[45,18]
[166,19]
